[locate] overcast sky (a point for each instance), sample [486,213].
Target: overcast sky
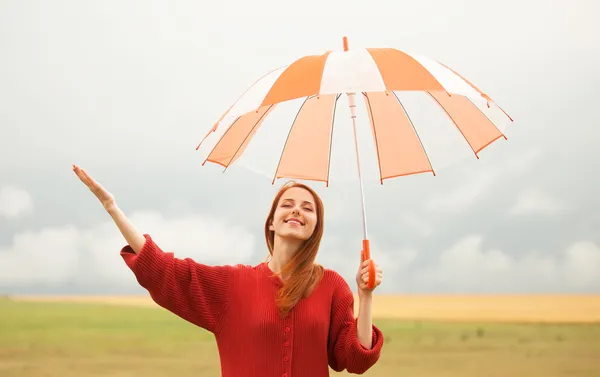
[127,89]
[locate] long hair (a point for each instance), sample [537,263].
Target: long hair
[304,273]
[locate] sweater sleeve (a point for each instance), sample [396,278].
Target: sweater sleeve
[195,292]
[345,350]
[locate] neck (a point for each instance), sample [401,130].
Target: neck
[283,251]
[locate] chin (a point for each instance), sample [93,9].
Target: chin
[295,236]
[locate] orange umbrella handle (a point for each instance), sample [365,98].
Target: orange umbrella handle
[366,254]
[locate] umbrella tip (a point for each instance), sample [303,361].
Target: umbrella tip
[345,39]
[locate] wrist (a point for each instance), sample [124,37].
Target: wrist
[365,295]
[112,209]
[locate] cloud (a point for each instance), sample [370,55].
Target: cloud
[463,196]
[15,202]
[48,256]
[342,254]
[581,266]
[468,267]
[476,183]
[67,254]
[535,201]
[63,254]
[416,225]
[126,72]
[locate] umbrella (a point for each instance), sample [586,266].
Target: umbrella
[378,75]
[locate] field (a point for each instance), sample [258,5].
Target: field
[441,336]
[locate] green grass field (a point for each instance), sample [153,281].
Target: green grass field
[93,339]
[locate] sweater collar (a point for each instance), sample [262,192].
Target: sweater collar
[264,267]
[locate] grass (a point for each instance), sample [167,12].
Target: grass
[52,338]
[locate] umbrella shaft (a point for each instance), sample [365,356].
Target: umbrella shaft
[352,105]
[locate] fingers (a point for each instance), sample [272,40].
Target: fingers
[365,285]
[365,279]
[364,268]
[100,192]
[87,177]
[79,172]
[87,180]
[90,182]
[363,275]
[84,176]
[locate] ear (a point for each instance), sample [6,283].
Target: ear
[271,227]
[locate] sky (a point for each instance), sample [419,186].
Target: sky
[127,89]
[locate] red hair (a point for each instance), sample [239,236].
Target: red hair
[304,273]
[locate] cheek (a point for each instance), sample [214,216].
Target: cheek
[277,216]
[313,221]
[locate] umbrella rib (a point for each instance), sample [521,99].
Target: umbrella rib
[487,98]
[287,139]
[453,121]
[221,138]
[414,129]
[246,138]
[337,97]
[493,124]
[375,134]
[244,93]
[461,131]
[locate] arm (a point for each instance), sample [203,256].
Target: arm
[345,349]
[365,320]
[195,292]
[365,302]
[133,238]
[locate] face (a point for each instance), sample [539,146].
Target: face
[296,215]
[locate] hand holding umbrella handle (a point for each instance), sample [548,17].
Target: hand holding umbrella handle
[366,255]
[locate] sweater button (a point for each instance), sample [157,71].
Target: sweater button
[287,329]
[284,375]
[286,359]
[286,344]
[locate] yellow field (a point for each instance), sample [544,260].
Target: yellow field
[495,308]
[441,336]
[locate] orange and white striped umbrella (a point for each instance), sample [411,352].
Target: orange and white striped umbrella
[305,146]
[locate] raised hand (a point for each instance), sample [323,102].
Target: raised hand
[134,238]
[105,197]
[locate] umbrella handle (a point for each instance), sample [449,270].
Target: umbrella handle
[365,254]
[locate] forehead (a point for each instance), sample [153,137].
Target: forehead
[298,194]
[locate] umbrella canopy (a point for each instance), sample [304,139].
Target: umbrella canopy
[305,147]
[378,74]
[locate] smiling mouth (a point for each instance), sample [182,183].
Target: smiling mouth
[294,222]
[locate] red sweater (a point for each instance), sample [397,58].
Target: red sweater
[237,304]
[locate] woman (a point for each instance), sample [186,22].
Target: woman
[286,317]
